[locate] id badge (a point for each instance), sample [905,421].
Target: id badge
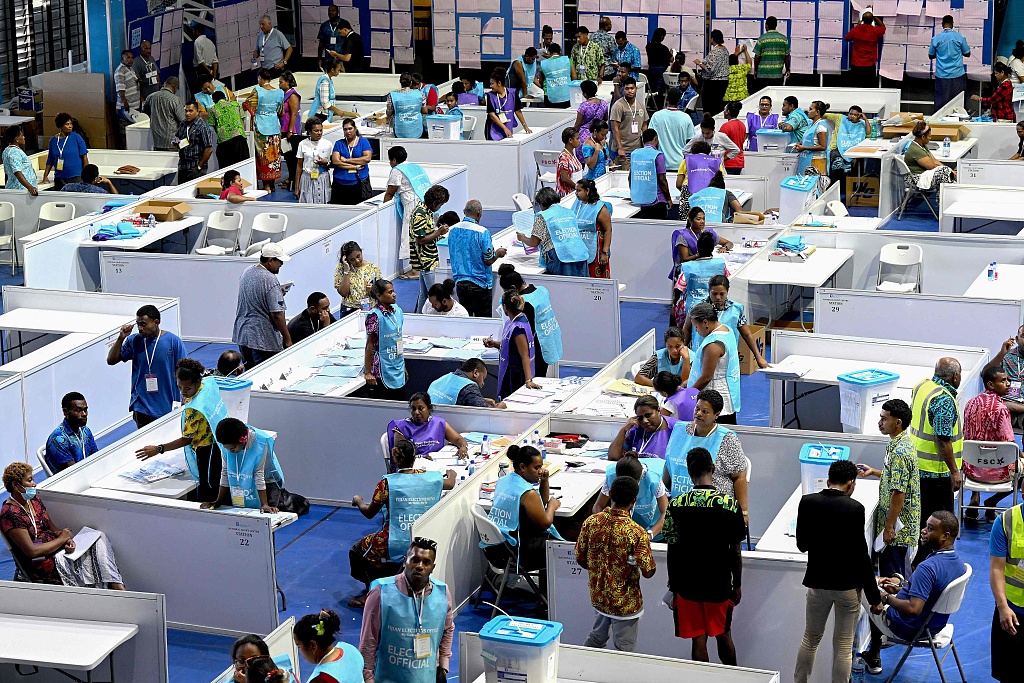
[400,346]
[421,645]
[238,496]
[314,174]
[635,127]
[151,384]
[334,40]
[507,117]
[60,164]
[182,144]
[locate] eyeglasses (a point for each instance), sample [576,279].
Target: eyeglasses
[243,663]
[421,542]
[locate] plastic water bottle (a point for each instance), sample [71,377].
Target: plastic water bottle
[472,466]
[536,437]
[151,222]
[485,449]
[992,271]
[857,671]
[543,454]
[947,148]
[364,304]
[875,125]
[810,218]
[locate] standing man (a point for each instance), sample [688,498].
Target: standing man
[522,71]
[147,71]
[627,53]
[628,121]
[408,623]
[272,49]
[938,436]
[1006,578]
[587,58]
[165,115]
[328,38]
[261,329]
[615,551]
[72,440]
[604,39]
[830,529]
[864,50]
[316,316]
[703,523]
[205,59]
[353,54]
[948,49]
[648,186]
[472,254]
[771,56]
[674,128]
[154,354]
[127,86]
[547,39]
[194,141]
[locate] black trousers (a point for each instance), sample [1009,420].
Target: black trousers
[142,419]
[712,96]
[655,212]
[383,393]
[555,105]
[1006,652]
[232,151]
[936,494]
[475,299]
[291,158]
[188,174]
[348,195]
[367,571]
[254,357]
[208,462]
[864,76]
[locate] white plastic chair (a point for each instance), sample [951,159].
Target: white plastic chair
[270,226]
[495,577]
[547,165]
[989,454]
[634,370]
[910,188]
[522,202]
[54,213]
[221,236]
[41,456]
[899,268]
[837,208]
[385,449]
[8,238]
[468,127]
[948,603]
[671,79]
[256,247]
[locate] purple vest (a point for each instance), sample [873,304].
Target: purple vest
[700,169]
[502,105]
[684,401]
[427,437]
[649,445]
[467,98]
[691,241]
[755,123]
[506,348]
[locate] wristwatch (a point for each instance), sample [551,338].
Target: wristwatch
[160,448]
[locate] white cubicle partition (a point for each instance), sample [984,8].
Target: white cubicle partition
[536,117]
[142,658]
[617,368]
[775,166]
[820,205]
[996,140]
[12,445]
[977,207]
[991,171]
[186,191]
[279,642]
[917,317]
[497,170]
[874,101]
[171,546]
[363,86]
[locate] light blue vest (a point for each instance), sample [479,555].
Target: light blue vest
[408,121]
[529,70]
[645,510]
[586,220]
[665,363]
[565,234]
[400,622]
[732,373]
[419,181]
[643,176]
[206,101]
[545,326]
[208,402]
[317,104]
[729,317]
[850,134]
[697,273]
[444,391]
[505,505]
[556,78]
[712,201]
[392,363]
[268,102]
[409,496]
[348,669]
[241,467]
[804,161]
[681,443]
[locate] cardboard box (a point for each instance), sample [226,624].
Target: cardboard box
[212,186]
[790,325]
[748,362]
[164,209]
[955,131]
[863,192]
[30,99]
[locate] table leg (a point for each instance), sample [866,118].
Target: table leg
[111,667]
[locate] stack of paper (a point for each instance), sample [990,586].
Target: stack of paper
[790,368]
[152,471]
[448,342]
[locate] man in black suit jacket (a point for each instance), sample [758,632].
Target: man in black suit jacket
[830,529]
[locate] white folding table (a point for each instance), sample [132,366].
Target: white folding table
[777,540]
[45,321]
[160,232]
[959,210]
[821,267]
[1007,287]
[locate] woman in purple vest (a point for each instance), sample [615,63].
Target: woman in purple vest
[515,350]
[679,401]
[427,432]
[503,108]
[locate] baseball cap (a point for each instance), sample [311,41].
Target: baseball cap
[274,251]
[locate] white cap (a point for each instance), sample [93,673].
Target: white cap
[274,251]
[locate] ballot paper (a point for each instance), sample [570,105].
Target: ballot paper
[154,470]
[790,368]
[84,540]
[522,221]
[448,342]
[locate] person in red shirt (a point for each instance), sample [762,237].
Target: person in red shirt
[1001,101]
[736,131]
[864,52]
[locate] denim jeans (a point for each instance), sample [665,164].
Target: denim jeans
[427,279]
[555,267]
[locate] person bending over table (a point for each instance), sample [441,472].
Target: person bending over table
[416,490]
[646,434]
[730,477]
[334,661]
[441,300]
[515,350]
[423,238]
[248,467]
[679,400]
[37,543]
[730,314]
[920,160]
[383,360]
[427,432]
[354,278]
[547,335]
[463,387]
[202,412]
[652,500]
[716,361]
[556,232]
[72,440]
[692,285]
[410,182]
[674,358]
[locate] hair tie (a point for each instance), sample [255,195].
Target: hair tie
[320,629]
[244,438]
[271,674]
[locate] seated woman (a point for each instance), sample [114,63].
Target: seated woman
[245,650]
[515,350]
[441,302]
[718,203]
[730,313]
[231,188]
[680,400]
[203,411]
[334,661]
[556,232]
[524,515]
[471,88]
[381,553]
[248,467]
[684,241]
[41,548]
[920,160]
[692,285]
[646,434]
[652,499]
[674,358]
[427,432]
[851,130]
[266,670]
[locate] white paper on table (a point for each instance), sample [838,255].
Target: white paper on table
[84,540]
[494,26]
[493,45]
[524,19]
[401,20]
[879,543]
[444,39]
[752,9]
[727,9]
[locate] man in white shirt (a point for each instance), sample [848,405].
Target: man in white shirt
[205,53]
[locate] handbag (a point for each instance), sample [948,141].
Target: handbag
[286,501]
[365,190]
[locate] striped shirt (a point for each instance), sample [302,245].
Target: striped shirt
[126,81]
[772,47]
[422,256]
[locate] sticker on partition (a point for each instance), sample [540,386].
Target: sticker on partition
[834,303]
[598,292]
[136,37]
[118,266]
[243,536]
[327,247]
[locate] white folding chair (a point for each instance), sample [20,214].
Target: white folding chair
[496,577]
[256,247]
[910,188]
[899,268]
[41,457]
[989,454]
[634,370]
[270,226]
[671,79]
[221,234]
[468,127]
[948,603]
[8,238]
[522,202]
[837,208]
[385,449]
[547,165]
[54,213]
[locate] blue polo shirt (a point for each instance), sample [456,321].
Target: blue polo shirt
[65,447]
[469,245]
[71,149]
[165,353]
[949,49]
[927,583]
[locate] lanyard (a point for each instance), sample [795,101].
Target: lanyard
[145,350]
[643,443]
[419,608]
[265,37]
[245,451]
[60,149]
[329,653]
[706,436]
[633,109]
[500,102]
[28,508]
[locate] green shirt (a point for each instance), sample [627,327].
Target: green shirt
[772,47]
[900,473]
[588,61]
[422,256]
[913,155]
[226,118]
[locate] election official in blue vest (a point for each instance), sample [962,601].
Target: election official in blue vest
[405,109]
[556,231]
[652,499]
[248,466]
[464,387]
[316,636]
[547,335]
[408,623]
[716,363]
[648,186]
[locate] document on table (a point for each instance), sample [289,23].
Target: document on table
[529,396]
[789,368]
[152,471]
[84,539]
[879,543]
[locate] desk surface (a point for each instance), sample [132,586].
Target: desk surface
[159,232]
[1009,286]
[876,149]
[576,486]
[50,352]
[775,538]
[1006,210]
[848,222]
[61,322]
[15,120]
[81,645]
[814,272]
[821,370]
[172,487]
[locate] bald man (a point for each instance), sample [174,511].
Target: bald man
[937,433]
[472,253]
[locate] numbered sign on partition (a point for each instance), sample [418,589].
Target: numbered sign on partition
[565,560]
[246,535]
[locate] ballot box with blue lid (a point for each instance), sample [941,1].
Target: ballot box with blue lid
[444,126]
[815,459]
[861,395]
[772,140]
[520,650]
[796,193]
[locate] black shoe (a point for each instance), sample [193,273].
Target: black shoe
[873,663]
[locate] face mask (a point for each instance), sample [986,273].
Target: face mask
[30,493]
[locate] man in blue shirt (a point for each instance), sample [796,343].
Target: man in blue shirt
[71,441]
[627,52]
[948,49]
[472,253]
[92,182]
[154,354]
